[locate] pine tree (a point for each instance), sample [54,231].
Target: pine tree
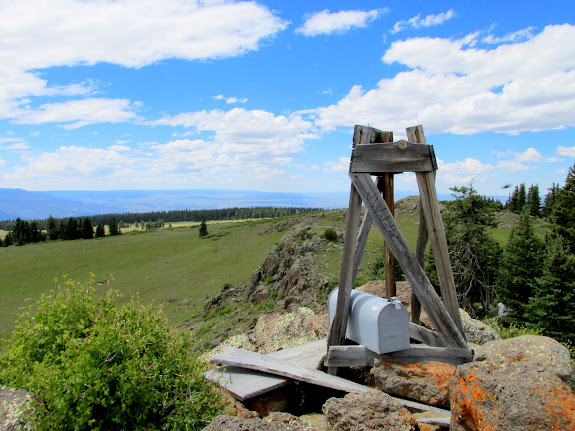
[534,201]
[203,228]
[520,265]
[100,231]
[549,201]
[473,253]
[35,234]
[87,229]
[52,229]
[551,307]
[113,227]
[512,202]
[563,216]
[521,198]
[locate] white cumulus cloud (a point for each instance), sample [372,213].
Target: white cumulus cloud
[326,22]
[450,87]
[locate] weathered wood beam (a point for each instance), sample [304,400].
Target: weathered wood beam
[361,242]
[401,156]
[337,329]
[361,356]
[369,193]
[415,134]
[389,263]
[424,335]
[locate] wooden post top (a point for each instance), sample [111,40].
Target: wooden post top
[374,154]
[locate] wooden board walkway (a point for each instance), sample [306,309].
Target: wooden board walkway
[244,384]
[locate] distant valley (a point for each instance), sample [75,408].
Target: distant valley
[40,205]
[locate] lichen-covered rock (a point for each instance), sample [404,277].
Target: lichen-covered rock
[373,410]
[477,332]
[275,332]
[15,409]
[492,396]
[427,381]
[516,384]
[274,422]
[535,351]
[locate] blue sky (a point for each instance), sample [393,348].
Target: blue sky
[263,95]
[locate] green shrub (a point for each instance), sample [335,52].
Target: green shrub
[101,366]
[377,268]
[330,234]
[303,234]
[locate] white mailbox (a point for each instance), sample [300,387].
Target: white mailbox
[380,324]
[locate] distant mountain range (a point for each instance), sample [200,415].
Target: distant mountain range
[40,205]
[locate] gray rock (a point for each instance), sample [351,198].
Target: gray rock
[15,409]
[373,410]
[477,332]
[534,351]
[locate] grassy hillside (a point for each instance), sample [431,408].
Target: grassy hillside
[175,264]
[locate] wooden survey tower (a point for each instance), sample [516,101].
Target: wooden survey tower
[375,154]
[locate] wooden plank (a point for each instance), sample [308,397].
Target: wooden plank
[389,264]
[415,134]
[309,355]
[441,421]
[420,284]
[424,335]
[401,156]
[361,356]
[369,135]
[244,384]
[361,242]
[255,361]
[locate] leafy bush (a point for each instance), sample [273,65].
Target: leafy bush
[101,366]
[330,234]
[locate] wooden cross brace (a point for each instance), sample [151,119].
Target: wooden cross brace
[372,158]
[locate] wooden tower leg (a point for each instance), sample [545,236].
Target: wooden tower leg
[430,205]
[390,287]
[338,326]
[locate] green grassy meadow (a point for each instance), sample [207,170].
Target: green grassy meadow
[158,265]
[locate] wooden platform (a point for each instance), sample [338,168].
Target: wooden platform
[248,374]
[244,384]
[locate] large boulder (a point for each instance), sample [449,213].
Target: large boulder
[15,409]
[426,381]
[373,410]
[516,386]
[541,353]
